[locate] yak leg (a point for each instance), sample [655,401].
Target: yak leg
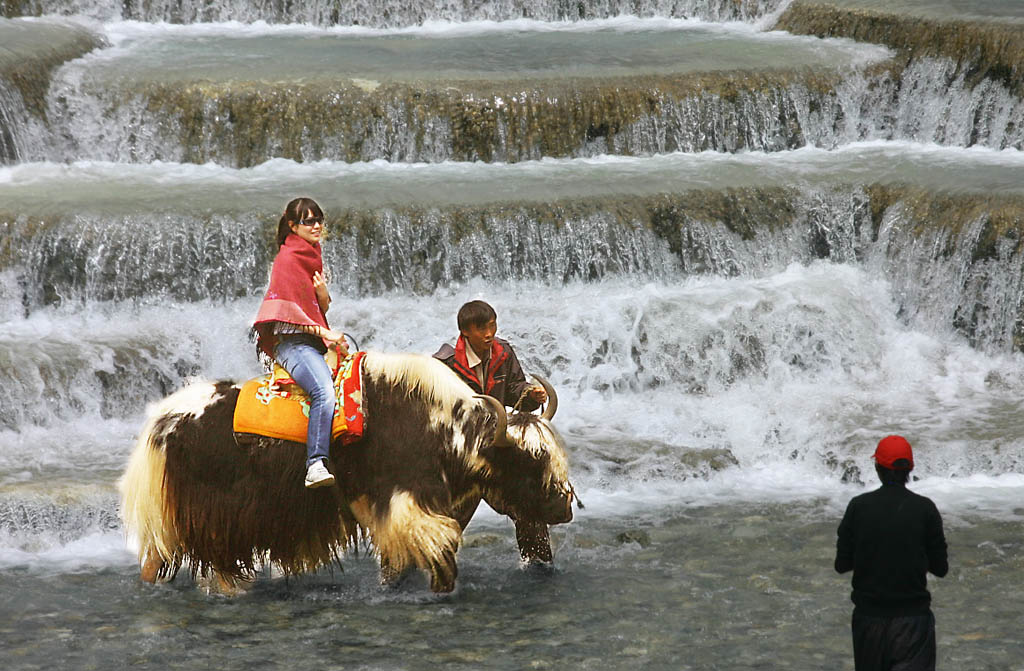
[151,566]
[217,583]
[532,537]
[443,571]
[154,568]
[391,570]
[407,534]
[534,541]
[389,575]
[443,574]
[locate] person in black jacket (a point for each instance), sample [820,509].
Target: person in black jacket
[487,363]
[490,366]
[891,538]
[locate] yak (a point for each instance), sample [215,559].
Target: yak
[194,494]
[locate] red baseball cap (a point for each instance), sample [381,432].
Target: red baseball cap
[891,449]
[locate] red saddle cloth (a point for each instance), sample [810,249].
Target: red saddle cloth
[274,406]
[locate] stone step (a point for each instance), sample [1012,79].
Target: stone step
[238,97]
[92,233]
[88,364]
[34,518]
[984,38]
[30,51]
[1001,11]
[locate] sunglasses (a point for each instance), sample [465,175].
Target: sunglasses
[312,221]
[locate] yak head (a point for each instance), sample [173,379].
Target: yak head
[528,471]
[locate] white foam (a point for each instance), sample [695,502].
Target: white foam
[651,381]
[808,159]
[86,554]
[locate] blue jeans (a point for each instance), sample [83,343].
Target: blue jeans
[307,367]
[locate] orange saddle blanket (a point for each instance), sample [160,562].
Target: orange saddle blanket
[273,405]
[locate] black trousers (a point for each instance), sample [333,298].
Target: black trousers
[894,643]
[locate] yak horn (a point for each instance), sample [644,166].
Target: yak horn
[552,406]
[500,435]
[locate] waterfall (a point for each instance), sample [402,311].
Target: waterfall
[738,253]
[388,13]
[30,52]
[15,124]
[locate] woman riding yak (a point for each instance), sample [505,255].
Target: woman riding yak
[291,326]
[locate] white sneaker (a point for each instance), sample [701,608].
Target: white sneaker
[317,475]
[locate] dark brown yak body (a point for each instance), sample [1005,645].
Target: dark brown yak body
[193,494]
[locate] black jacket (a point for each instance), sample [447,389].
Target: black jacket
[505,379]
[891,538]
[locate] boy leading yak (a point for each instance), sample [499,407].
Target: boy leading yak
[489,366]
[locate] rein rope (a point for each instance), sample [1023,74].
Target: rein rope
[522,397]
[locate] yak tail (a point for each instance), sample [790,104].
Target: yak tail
[143,509]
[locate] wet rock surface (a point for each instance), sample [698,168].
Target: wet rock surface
[982,49]
[965,245]
[245,124]
[29,54]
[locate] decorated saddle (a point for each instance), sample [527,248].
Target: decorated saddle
[274,405]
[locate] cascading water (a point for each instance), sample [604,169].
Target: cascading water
[388,13]
[29,52]
[741,257]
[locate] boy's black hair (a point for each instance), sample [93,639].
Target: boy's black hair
[894,476]
[475,313]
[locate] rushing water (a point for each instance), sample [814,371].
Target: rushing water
[392,13]
[729,332]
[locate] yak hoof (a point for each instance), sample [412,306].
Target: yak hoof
[389,575]
[152,567]
[441,586]
[217,584]
[534,542]
[442,577]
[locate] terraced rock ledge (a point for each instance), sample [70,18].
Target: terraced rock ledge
[245,124]
[199,95]
[29,53]
[927,244]
[982,49]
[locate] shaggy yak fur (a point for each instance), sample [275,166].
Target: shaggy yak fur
[194,494]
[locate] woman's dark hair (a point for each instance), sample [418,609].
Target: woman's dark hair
[475,313]
[894,476]
[293,212]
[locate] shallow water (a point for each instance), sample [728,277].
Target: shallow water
[602,48]
[684,586]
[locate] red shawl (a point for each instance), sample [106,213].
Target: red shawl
[290,297]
